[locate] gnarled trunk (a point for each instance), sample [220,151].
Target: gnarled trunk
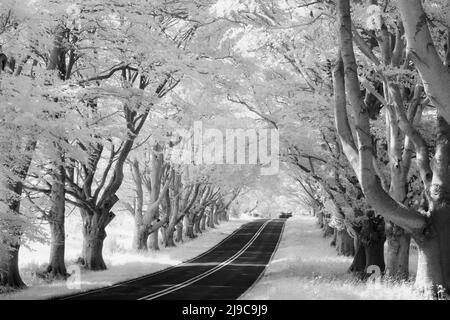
[433,267]
[430,231]
[397,256]
[94,234]
[369,247]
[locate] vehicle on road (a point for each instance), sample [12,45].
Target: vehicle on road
[285,215]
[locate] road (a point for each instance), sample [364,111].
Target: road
[224,272]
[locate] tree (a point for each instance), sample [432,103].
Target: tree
[427,230]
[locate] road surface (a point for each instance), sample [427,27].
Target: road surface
[224,272]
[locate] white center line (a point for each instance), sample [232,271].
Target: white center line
[206,273]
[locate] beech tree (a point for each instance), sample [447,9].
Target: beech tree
[426,229]
[47,113]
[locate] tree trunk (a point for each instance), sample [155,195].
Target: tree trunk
[397,257]
[216,217]
[333,241]
[93,236]
[9,269]
[203,222]
[162,236]
[397,240]
[179,237]
[140,230]
[225,215]
[168,237]
[320,218]
[172,199]
[434,74]
[344,243]
[327,231]
[197,221]
[370,247]
[189,226]
[359,264]
[190,231]
[9,260]
[433,267]
[57,268]
[140,238]
[210,219]
[153,241]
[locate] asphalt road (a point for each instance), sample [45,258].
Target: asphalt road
[224,272]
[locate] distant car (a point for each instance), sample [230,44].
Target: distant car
[285,215]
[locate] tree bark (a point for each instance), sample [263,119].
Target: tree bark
[344,243]
[210,218]
[397,256]
[140,238]
[153,241]
[9,269]
[215,219]
[433,267]
[334,239]
[369,247]
[140,231]
[327,231]
[162,236]
[430,231]
[398,241]
[94,234]
[226,216]
[179,230]
[320,218]
[203,222]
[168,237]
[433,271]
[9,261]
[421,49]
[189,226]
[57,268]
[197,221]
